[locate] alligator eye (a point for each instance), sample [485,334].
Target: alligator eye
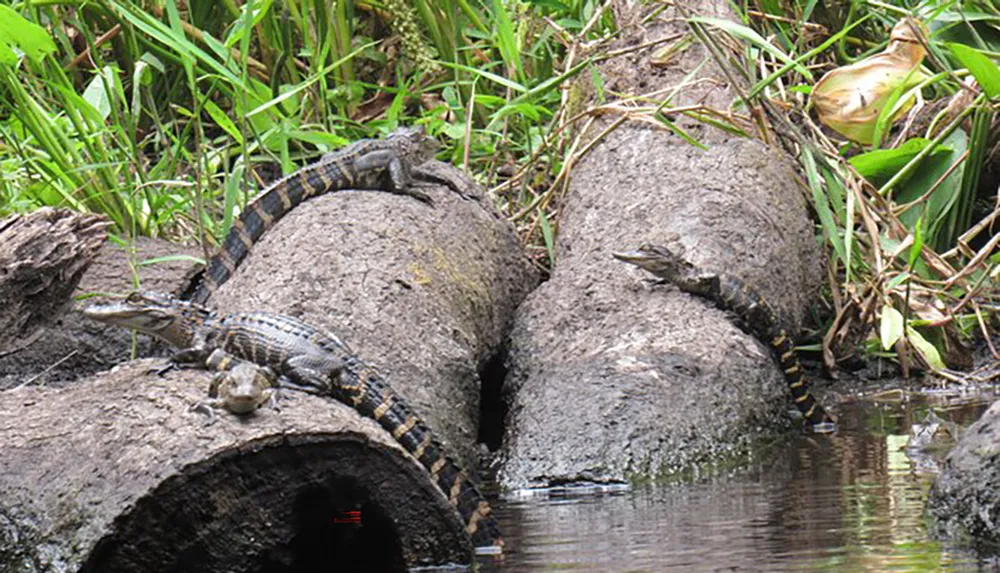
[134,297]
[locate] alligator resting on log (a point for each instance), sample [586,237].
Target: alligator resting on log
[117,474]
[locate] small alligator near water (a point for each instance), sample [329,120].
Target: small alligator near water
[313,360]
[369,164]
[754,312]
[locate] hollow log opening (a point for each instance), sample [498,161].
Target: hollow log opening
[273,508]
[492,406]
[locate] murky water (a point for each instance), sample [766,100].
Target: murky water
[849,502]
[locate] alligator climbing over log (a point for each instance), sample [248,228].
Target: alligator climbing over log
[755,314]
[310,359]
[368,164]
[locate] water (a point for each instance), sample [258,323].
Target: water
[849,502]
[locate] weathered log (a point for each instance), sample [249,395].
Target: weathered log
[42,257]
[425,293]
[117,474]
[659,380]
[68,346]
[965,499]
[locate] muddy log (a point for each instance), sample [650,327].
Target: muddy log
[657,380]
[425,293]
[965,499]
[67,346]
[117,474]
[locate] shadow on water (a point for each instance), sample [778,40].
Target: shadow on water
[853,501]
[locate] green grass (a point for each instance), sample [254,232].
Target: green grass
[158,116]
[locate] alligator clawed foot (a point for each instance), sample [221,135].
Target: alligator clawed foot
[205,408]
[163,370]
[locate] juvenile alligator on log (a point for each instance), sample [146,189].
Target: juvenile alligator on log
[311,359]
[239,387]
[755,314]
[368,164]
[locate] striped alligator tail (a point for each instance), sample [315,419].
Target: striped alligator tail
[788,358]
[384,164]
[755,314]
[368,392]
[260,215]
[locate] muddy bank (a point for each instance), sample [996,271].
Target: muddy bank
[68,346]
[424,293]
[611,378]
[965,500]
[116,474]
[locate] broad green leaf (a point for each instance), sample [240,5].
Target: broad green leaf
[891,327]
[880,165]
[925,176]
[982,68]
[97,96]
[27,36]
[926,349]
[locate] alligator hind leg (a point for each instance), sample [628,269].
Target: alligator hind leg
[316,374]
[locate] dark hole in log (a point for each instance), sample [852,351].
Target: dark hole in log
[326,539]
[492,406]
[273,510]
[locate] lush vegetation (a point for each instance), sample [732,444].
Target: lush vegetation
[163,115]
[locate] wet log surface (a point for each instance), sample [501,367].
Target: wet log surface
[964,502]
[658,380]
[116,474]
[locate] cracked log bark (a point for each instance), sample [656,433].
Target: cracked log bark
[42,257]
[116,474]
[659,380]
[68,346]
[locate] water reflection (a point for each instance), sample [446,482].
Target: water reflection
[849,502]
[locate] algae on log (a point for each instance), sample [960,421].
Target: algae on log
[425,293]
[657,380]
[965,499]
[69,346]
[117,474]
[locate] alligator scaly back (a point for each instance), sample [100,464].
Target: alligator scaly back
[755,315]
[368,164]
[364,388]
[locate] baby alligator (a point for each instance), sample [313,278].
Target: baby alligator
[373,164]
[310,359]
[239,387]
[758,317]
